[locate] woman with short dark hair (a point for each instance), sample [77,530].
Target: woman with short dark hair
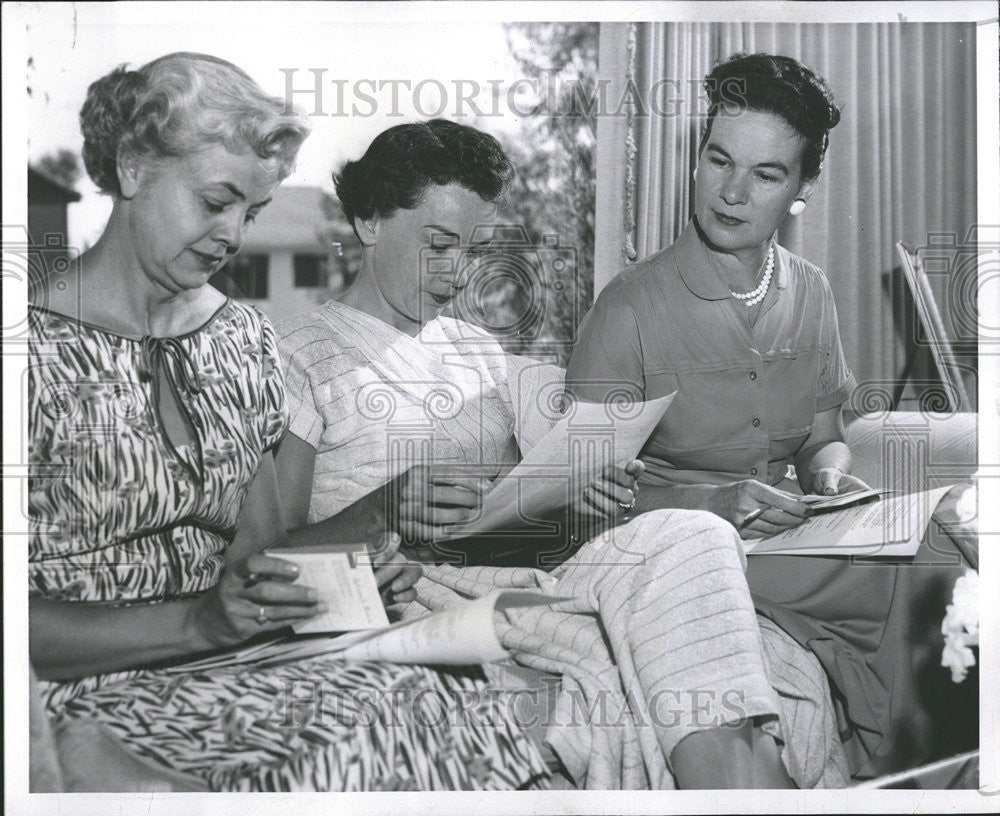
[746,333]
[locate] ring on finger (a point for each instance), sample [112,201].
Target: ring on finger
[262,618]
[630,505]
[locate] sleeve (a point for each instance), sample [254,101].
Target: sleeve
[836,381]
[607,358]
[274,405]
[304,418]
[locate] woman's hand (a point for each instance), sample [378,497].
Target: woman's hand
[429,500]
[832,481]
[612,494]
[394,573]
[755,509]
[256,595]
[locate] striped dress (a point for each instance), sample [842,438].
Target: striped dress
[120,513]
[660,638]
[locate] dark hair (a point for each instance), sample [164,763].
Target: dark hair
[779,85]
[403,161]
[178,104]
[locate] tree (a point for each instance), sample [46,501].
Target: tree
[554,193]
[556,164]
[62,166]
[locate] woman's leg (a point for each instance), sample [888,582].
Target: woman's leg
[660,641]
[876,628]
[742,756]
[673,599]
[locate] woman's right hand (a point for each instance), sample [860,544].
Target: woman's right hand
[256,595]
[429,500]
[755,509]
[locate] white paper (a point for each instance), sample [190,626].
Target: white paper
[891,527]
[345,582]
[590,438]
[457,636]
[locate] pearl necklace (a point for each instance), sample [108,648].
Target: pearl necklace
[757,295]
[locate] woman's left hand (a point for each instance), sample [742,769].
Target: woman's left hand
[832,481]
[613,493]
[394,573]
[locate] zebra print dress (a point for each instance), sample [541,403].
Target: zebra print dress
[120,513]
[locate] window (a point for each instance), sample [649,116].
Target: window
[310,270]
[244,277]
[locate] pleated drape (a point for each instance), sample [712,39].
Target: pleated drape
[901,165]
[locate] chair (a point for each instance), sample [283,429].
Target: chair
[930,318]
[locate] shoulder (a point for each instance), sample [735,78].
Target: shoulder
[461,333]
[323,342]
[635,290]
[802,272]
[321,325]
[244,314]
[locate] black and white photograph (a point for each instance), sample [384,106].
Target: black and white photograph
[501,407]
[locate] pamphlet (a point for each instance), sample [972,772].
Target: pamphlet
[824,504]
[343,577]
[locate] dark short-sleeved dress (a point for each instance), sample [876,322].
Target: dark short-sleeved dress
[749,384]
[120,514]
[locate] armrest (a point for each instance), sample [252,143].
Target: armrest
[913,450]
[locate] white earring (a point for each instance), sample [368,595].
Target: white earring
[798,207]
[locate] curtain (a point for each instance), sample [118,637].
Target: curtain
[901,166]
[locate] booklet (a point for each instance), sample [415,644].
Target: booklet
[891,527]
[824,504]
[342,575]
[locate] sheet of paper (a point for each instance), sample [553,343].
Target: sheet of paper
[455,636]
[345,582]
[891,527]
[591,437]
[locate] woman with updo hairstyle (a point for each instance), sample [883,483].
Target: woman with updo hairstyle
[746,333]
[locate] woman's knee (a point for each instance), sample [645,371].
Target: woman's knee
[689,530]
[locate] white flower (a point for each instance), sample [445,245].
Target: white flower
[961,626]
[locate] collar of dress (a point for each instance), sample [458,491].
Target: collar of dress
[699,275]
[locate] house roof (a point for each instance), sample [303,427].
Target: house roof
[43,187]
[292,220]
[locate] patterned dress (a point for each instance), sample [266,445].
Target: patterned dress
[122,513]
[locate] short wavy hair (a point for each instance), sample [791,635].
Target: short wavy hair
[178,104]
[403,161]
[779,85]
